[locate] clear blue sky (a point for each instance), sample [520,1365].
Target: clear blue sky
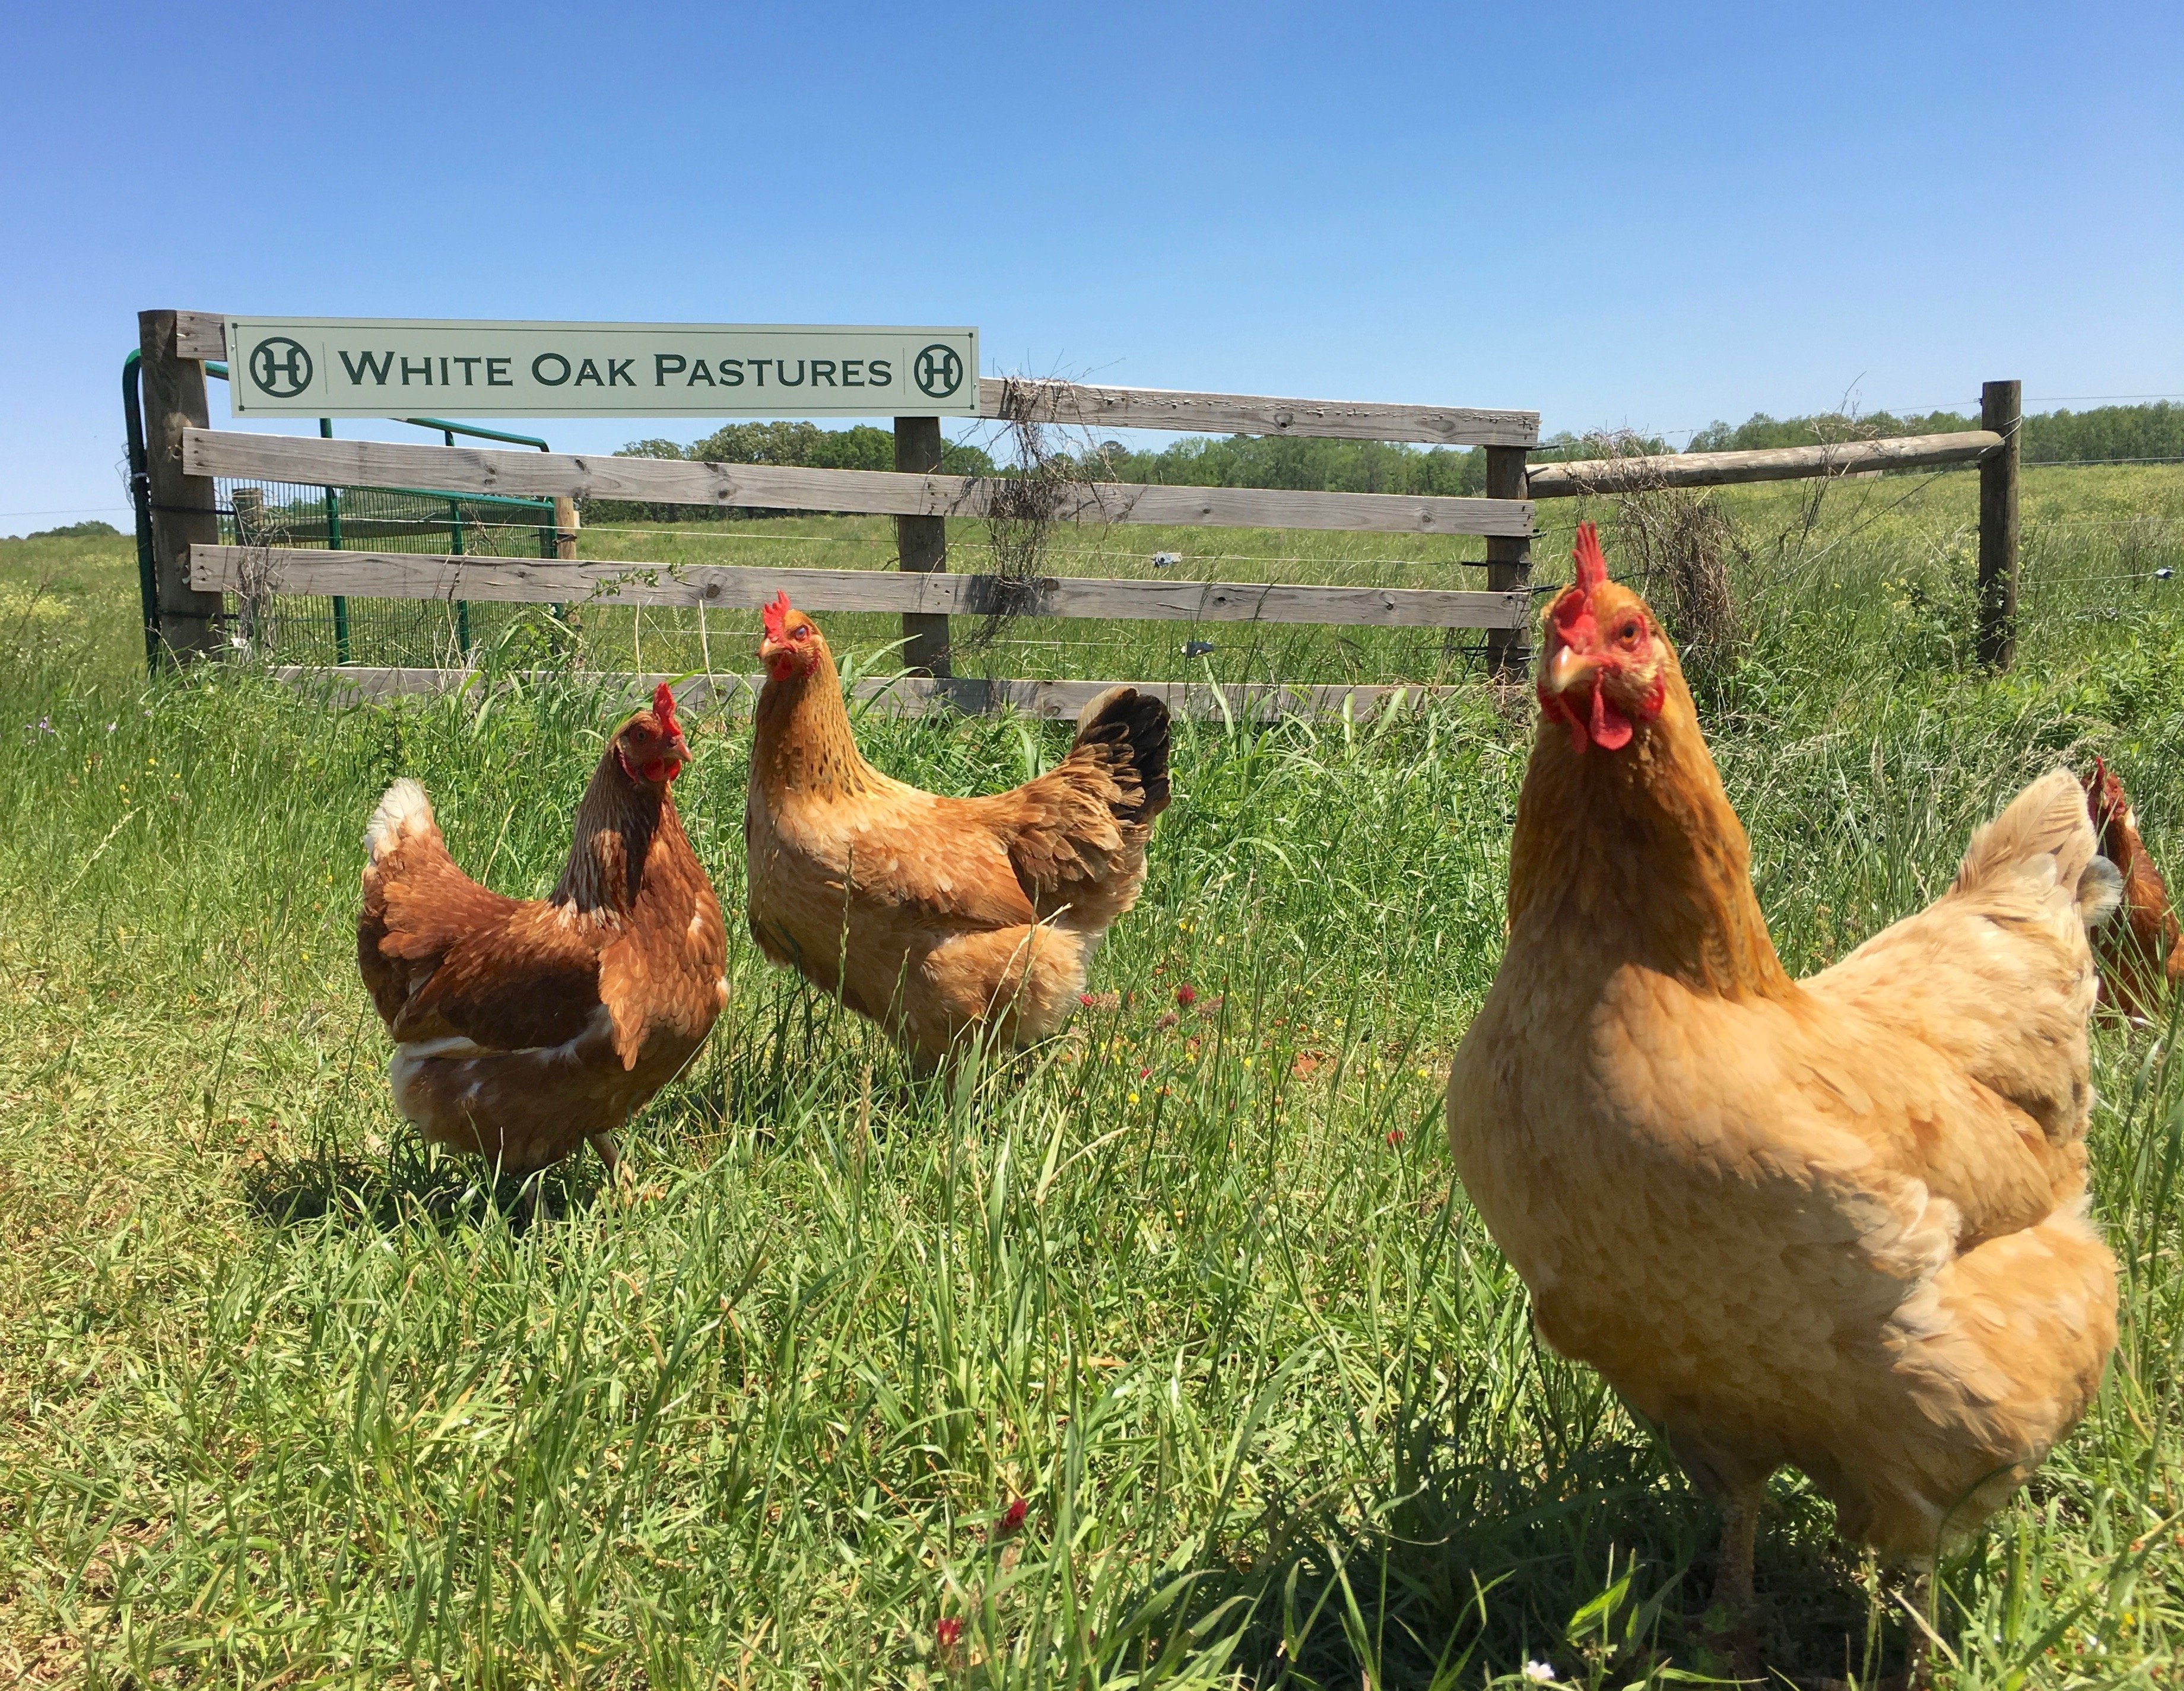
[1613,214]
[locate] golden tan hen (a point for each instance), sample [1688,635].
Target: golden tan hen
[935,915]
[1836,1223]
[525,1027]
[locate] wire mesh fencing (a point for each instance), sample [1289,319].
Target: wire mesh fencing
[394,633]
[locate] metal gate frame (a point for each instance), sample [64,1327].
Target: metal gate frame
[140,499]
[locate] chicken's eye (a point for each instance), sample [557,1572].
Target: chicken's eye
[799,634]
[1629,633]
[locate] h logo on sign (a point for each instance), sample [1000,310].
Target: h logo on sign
[281,367]
[938,370]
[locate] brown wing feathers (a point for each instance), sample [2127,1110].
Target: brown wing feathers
[442,956]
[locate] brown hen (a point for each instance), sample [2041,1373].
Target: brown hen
[936,916]
[525,1027]
[2142,954]
[1837,1223]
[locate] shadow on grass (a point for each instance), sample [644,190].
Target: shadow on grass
[412,1185]
[1601,1566]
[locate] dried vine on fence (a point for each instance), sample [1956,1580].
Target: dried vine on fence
[1050,486]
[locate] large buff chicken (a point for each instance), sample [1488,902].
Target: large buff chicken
[525,1027]
[1837,1223]
[937,916]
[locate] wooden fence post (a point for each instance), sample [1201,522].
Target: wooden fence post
[182,506]
[2000,407]
[1509,564]
[921,544]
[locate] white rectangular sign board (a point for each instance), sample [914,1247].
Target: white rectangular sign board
[364,367]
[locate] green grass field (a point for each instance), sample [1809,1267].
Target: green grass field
[285,1400]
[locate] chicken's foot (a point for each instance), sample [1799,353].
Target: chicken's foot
[1914,1597]
[1918,1600]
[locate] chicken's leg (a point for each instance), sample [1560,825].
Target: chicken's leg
[608,1155]
[1740,1533]
[1736,1486]
[1733,1593]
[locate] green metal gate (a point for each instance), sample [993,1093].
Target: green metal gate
[322,631]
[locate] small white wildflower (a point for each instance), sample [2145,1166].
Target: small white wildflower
[1539,1672]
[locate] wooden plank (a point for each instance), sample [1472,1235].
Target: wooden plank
[1013,399]
[2000,407]
[912,695]
[200,335]
[1273,508]
[879,493]
[181,501]
[1784,463]
[726,587]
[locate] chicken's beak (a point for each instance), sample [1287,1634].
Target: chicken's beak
[1568,670]
[780,658]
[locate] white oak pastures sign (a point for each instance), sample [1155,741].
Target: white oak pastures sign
[364,367]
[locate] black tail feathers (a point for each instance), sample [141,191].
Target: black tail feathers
[1130,728]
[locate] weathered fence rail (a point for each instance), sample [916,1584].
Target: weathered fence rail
[1055,700]
[874,492]
[730,586]
[1784,463]
[1015,399]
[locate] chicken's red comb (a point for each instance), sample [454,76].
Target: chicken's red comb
[663,706]
[1591,566]
[2104,794]
[775,616]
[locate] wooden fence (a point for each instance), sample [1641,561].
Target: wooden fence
[194,571]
